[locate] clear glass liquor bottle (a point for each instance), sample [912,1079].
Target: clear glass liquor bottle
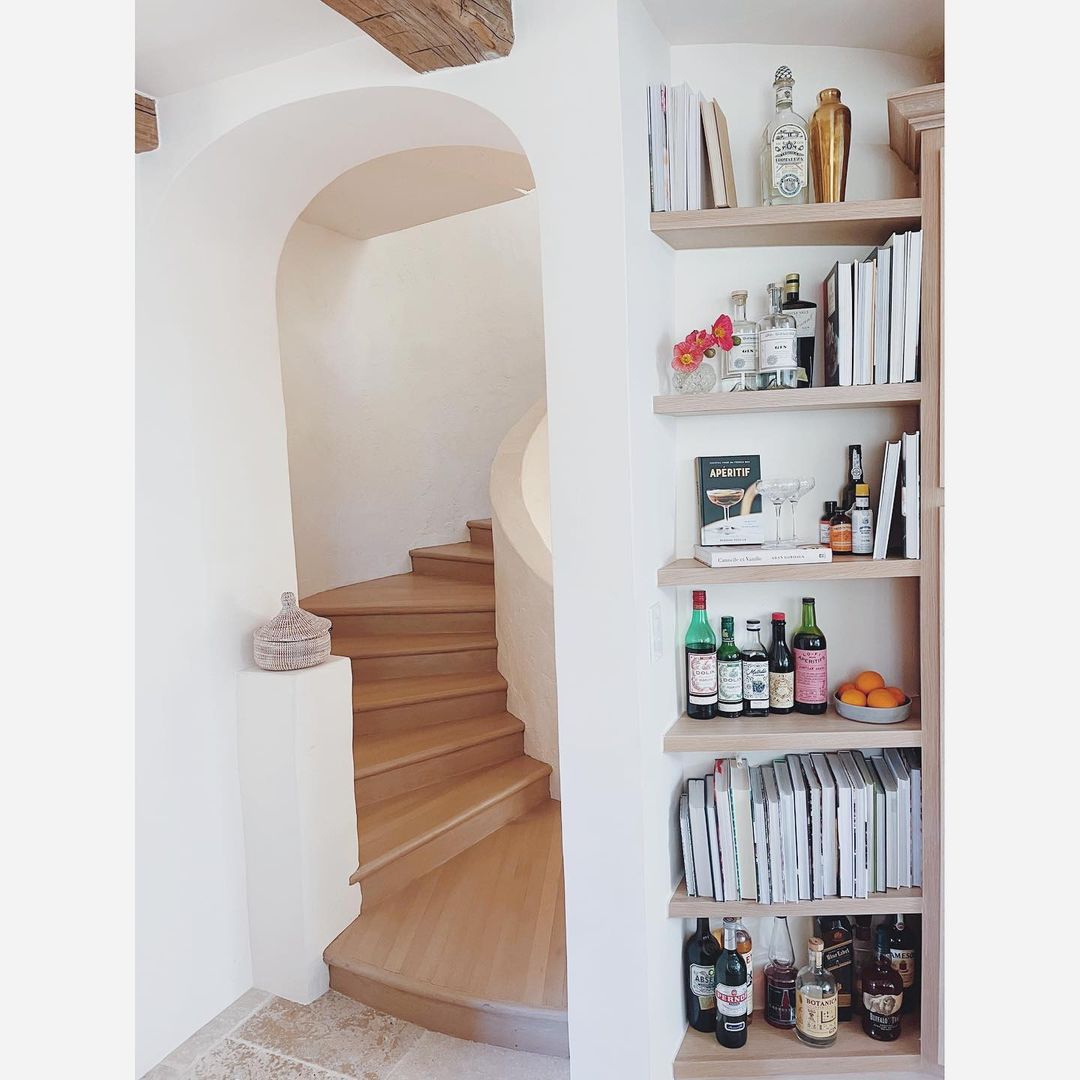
[778,359]
[816,1021]
[784,145]
[741,362]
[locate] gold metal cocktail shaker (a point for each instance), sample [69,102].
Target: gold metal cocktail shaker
[830,140]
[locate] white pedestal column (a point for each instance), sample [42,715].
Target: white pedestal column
[296,784]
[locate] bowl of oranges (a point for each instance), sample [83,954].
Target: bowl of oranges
[868,699]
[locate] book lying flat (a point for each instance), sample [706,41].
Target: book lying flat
[756,555]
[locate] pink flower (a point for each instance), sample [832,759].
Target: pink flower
[721,332]
[688,354]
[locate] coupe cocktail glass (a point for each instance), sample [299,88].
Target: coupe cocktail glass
[777,492]
[806,484]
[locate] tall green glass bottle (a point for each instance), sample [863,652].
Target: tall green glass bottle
[729,669]
[700,663]
[811,663]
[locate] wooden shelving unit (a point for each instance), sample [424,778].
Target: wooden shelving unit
[842,568]
[830,731]
[773,1052]
[784,226]
[908,901]
[818,397]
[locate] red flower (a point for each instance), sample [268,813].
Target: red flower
[721,332]
[688,353]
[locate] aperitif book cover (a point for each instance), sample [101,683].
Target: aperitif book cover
[729,506]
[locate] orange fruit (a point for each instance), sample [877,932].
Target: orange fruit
[853,697]
[882,699]
[901,697]
[845,686]
[868,680]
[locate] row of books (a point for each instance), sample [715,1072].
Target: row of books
[899,507]
[806,827]
[689,151]
[872,315]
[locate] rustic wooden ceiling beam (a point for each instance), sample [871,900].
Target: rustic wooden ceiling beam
[146,133]
[432,34]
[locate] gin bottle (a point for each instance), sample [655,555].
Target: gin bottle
[778,360]
[784,178]
[741,362]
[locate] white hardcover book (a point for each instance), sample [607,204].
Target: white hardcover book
[802,826]
[914,764]
[722,783]
[761,843]
[897,243]
[699,837]
[788,829]
[742,811]
[719,892]
[910,493]
[775,838]
[860,825]
[882,257]
[865,289]
[903,803]
[876,814]
[830,857]
[657,137]
[676,111]
[912,304]
[813,787]
[845,824]
[890,474]
[687,850]
[892,821]
[755,555]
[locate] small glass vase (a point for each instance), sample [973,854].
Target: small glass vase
[702,380]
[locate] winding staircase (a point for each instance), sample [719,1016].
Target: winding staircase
[462,928]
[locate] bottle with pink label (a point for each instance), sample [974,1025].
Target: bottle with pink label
[811,663]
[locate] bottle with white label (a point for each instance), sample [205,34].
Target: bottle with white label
[729,670]
[701,688]
[784,149]
[778,358]
[741,361]
[755,672]
[862,522]
[816,1019]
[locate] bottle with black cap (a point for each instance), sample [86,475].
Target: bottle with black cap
[805,314]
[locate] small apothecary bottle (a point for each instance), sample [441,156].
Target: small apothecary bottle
[741,361]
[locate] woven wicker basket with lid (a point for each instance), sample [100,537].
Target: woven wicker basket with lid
[292,639]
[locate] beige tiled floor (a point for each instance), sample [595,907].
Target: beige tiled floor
[260,1037]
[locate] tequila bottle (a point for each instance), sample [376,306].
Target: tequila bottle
[784,177]
[778,360]
[741,363]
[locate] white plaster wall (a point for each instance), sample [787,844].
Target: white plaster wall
[405,360]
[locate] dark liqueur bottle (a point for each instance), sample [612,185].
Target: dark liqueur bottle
[781,668]
[699,977]
[729,670]
[838,960]
[805,313]
[854,476]
[731,991]
[780,977]
[902,956]
[863,946]
[755,672]
[811,663]
[701,692]
[882,992]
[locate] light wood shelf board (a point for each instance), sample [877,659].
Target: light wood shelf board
[794,732]
[772,1051]
[681,906]
[842,567]
[763,226]
[819,397]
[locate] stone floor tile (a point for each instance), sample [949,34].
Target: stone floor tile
[233,1060]
[439,1057]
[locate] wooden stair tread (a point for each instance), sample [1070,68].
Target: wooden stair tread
[463,552]
[479,523]
[485,929]
[389,829]
[390,693]
[360,646]
[380,753]
[402,593]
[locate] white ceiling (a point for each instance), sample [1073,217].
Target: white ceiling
[411,187]
[911,27]
[184,43]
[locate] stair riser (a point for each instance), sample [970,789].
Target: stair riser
[379,884]
[426,622]
[480,536]
[456,569]
[426,713]
[371,789]
[419,664]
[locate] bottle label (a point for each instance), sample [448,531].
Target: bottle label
[789,159]
[805,321]
[815,1016]
[742,357]
[883,1010]
[749,958]
[701,678]
[836,960]
[811,676]
[824,532]
[756,683]
[903,963]
[731,1000]
[840,537]
[776,348]
[731,682]
[779,1004]
[862,532]
[782,689]
[703,984]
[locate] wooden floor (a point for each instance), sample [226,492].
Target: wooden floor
[462,928]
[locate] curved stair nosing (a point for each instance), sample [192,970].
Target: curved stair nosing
[412,692]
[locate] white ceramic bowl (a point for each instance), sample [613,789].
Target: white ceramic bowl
[865,715]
